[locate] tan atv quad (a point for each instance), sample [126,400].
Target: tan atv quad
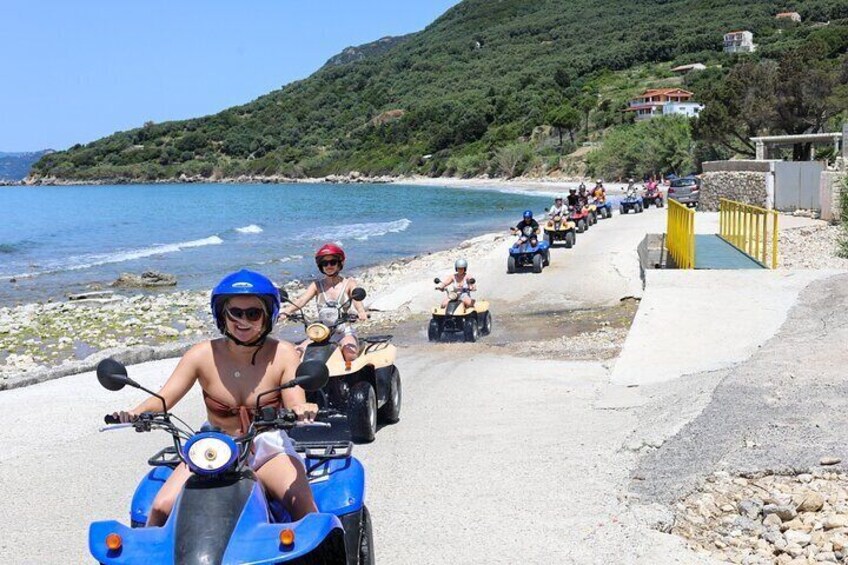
[560,228]
[457,319]
[368,389]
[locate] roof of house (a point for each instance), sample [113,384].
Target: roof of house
[661,91]
[787,14]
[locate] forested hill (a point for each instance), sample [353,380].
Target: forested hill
[481,76]
[16,166]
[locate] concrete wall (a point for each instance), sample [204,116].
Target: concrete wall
[743,186]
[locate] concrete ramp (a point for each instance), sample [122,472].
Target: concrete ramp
[693,321]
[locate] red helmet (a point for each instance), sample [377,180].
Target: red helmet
[327,250]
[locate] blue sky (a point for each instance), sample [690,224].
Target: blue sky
[75,70]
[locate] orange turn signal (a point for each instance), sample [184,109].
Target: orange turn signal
[287,537]
[114,542]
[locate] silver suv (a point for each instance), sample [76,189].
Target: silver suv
[686,190]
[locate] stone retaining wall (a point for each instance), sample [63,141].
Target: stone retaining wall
[742,186]
[832,183]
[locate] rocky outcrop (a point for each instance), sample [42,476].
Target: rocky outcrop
[148,279]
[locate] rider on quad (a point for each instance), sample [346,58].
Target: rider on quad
[558,210]
[582,195]
[630,191]
[329,292]
[230,370]
[462,283]
[599,193]
[573,199]
[526,222]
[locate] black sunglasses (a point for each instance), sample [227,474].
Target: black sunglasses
[330,263]
[249,314]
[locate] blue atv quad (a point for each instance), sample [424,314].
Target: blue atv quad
[631,202]
[603,210]
[222,516]
[528,252]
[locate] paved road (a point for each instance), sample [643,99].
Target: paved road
[781,410]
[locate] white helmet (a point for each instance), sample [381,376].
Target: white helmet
[460,264]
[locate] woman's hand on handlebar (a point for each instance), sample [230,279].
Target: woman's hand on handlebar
[121,417]
[305,412]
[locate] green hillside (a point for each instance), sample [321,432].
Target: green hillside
[481,77]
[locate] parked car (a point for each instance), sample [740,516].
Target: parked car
[686,190]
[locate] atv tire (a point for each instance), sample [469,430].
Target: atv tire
[581,225]
[389,413]
[623,210]
[569,240]
[362,411]
[366,539]
[471,330]
[639,208]
[660,203]
[510,265]
[593,219]
[549,237]
[486,324]
[547,260]
[434,331]
[538,263]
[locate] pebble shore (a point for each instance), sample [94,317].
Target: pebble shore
[789,520]
[40,341]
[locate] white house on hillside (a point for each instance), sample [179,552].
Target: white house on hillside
[663,102]
[739,42]
[690,109]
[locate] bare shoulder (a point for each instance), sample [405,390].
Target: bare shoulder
[283,350]
[200,351]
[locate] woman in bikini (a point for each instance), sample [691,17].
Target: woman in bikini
[330,291]
[231,371]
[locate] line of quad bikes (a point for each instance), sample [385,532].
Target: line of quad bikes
[223,516]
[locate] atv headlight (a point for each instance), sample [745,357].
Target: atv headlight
[318,332]
[208,453]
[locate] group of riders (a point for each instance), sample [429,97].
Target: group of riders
[577,199]
[232,369]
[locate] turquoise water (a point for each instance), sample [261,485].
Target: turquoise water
[58,240]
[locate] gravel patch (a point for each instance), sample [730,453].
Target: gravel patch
[768,519]
[811,247]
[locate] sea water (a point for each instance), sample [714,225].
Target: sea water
[60,240]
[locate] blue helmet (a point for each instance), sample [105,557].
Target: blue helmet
[246,283]
[528,214]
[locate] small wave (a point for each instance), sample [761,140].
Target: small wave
[82,262]
[362,232]
[252,228]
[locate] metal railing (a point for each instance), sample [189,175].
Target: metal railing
[680,231]
[750,229]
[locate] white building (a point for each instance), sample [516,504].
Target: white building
[739,42]
[689,109]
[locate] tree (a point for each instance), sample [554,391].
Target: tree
[564,118]
[587,103]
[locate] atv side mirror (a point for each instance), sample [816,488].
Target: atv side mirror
[437,280]
[358,294]
[284,295]
[312,375]
[112,375]
[546,209]
[472,281]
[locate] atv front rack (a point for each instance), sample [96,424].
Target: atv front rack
[165,457]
